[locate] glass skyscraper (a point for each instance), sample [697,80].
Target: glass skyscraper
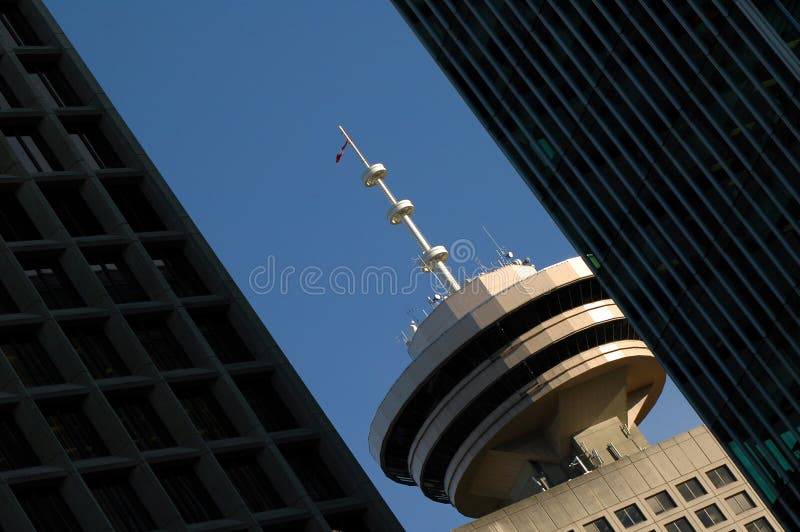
[663,137]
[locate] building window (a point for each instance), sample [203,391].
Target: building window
[313,472]
[8,99]
[72,210]
[15,224]
[177,270]
[96,351]
[251,482]
[222,337]
[7,305]
[142,422]
[679,525]
[188,493]
[660,502]
[48,77]
[93,146]
[630,515]
[759,525]
[268,406]
[741,502]
[17,26]
[120,503]
[119,282]
[15,451]
[31,150]
[598,525]
[135,207]
[161,344]
[29,359]
[347,521]
[691,489]
[721,476]
[74,430]
[51,282]
[206,413]
[46,508]
[710,515]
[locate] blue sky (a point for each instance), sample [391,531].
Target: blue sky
[237,103]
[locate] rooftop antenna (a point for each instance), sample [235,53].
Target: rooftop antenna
[503,253]
[433,258]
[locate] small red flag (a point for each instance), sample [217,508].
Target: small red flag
[341,152]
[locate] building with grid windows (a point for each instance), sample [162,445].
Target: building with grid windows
[138,389]
[663,139]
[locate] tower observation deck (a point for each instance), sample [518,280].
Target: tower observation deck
[520,380]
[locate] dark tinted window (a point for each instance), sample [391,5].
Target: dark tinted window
[51,282]
[15,451]
[188,493]
[141,420]
[135,207]
[222,337]
[93,146]
[118,280]
[313,472]
[177,270]
[206,413]
[15,224]
[72,210]
[46,508]
[48,76]
[31,150]
[74,430]
[266,403]
[7,305]
[251,482]
[96,351]
[17,25]
[161,344]
[120,503]
[28,358]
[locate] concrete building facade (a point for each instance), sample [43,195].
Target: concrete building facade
[138,388]
[662,137]
[683,484]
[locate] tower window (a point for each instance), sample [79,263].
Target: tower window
[251,482]
[15,224]
[710,515]
[630,515]
[48,76]
[93,146]
[51,282]
[660,502]
[206,413]
[178,272]
[721,476]
[120,503]
[96,351]
[17,26]
[679,525]
[268,406]
[188,493]
[691,489]
[72,210]
[31,150]
[759,525]
[313,472]
[598,525]
[46,508]
[141,421]
[119,282]
[135,207]
[15,451]
[7,305]
[161,344]
[8,99]
[74,430]
[222,337]
[29,359]
[741,502]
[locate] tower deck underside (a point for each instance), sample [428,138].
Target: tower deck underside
[506,372]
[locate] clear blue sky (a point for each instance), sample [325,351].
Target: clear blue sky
[237,104]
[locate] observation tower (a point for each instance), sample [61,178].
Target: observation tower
[519,380]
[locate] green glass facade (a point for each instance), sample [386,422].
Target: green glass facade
[664,139]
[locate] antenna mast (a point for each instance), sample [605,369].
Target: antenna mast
[433,258]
